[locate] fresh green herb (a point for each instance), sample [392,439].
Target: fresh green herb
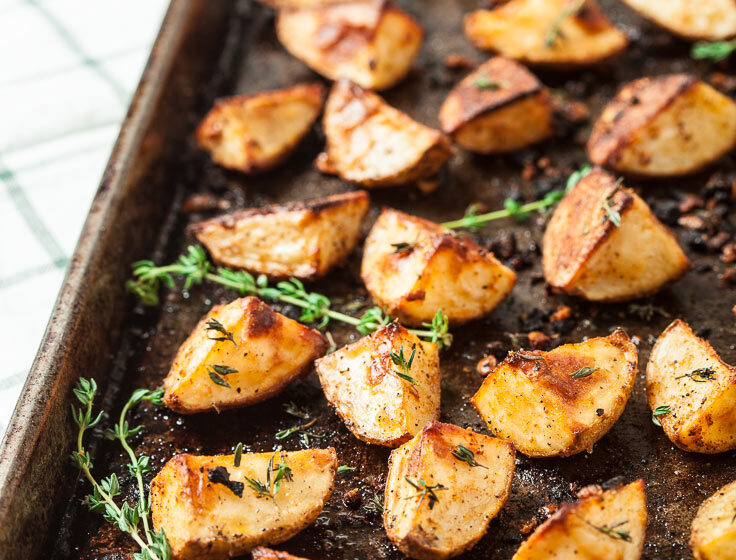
[216,373]
[304,435]
[700,375]
[238,454]
[484,82]
[716,51]
[577,176]
[215,325]
[425,490]
[531,357]
[345,469]
[584,371]
[273,482]
[612,215]
[613,531]
[376,504]
[555,31]
[295,410]
[316,308]
[399,360]
[153,546]
[647,312]
[402,246]
[220,475]
[462,453]
[660,411]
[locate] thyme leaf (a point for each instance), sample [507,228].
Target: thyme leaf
[700,375]
[716,51]
[402,246]
[399,360]
[425,490]
[462,453]
[238,454]
[273,481]
[215,325]
[345,469]
[613,531]
[304,435]
[555,31]
[483,82]
[584,371]
[530,357]
[612,215]
[662,410]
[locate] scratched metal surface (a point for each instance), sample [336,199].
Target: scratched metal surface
[251,60]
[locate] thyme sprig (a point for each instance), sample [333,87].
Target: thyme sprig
[403,246]
[376,504]
[555,30]
[462,453]
[585,371]
[474,221]
[700,375]
[612,215]
[303,432]
[273,481]
[613,531]
[662,410]
[398,359]
[153,546]
[716,51]
[215,325]
[484,82]
[195,268]
[425,490]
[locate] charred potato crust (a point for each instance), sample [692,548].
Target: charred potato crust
[517,113]
[709,20]
[371,143]
[577,530]
[272,351]
[658,127]
[207,520]
[703,408]
[533,400]
[713,535]
[471,497]
[263,553]
[586,254]
[299,240]
[251,133]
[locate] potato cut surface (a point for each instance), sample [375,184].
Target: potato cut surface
[256,132]
[561,402]
[500,107]
[372,43]
[267,352]
[713,534]
[371,143]
[663,126]
[434,270]
[686,375]
[467,493]
[564,33]
[711,20]
[209,509]
[301,240]
[608,525]
[360,380]
[586,253]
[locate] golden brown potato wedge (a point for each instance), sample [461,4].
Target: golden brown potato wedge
[468,492]
[608,525]
[561,402]
[371,143]
[710,20]
[663,127]
[603,243]
[256,132]
[565,33]
[713,535]
[378,405]
[263,553]
[694,390]
[210,509]
[414,268]
[300,240]
[267,352]
[500,107]
[371,42]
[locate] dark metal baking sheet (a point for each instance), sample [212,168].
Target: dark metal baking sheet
[212,49]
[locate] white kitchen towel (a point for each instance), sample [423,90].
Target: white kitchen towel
[69,69]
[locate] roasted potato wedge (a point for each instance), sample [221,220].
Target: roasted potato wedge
[267,352]
[263,553]
[713,535]
[360,380]
[663,127]
[300,240]
[500,107]
[256,132]
[710,20]
[563,33]
[371,143]
[414,268]
[468,492]
[603,243]
[371,42]
[608,524]
[696,390]
[560,402]
[210,509]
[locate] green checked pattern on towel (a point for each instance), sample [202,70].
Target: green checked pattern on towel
[69,69]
